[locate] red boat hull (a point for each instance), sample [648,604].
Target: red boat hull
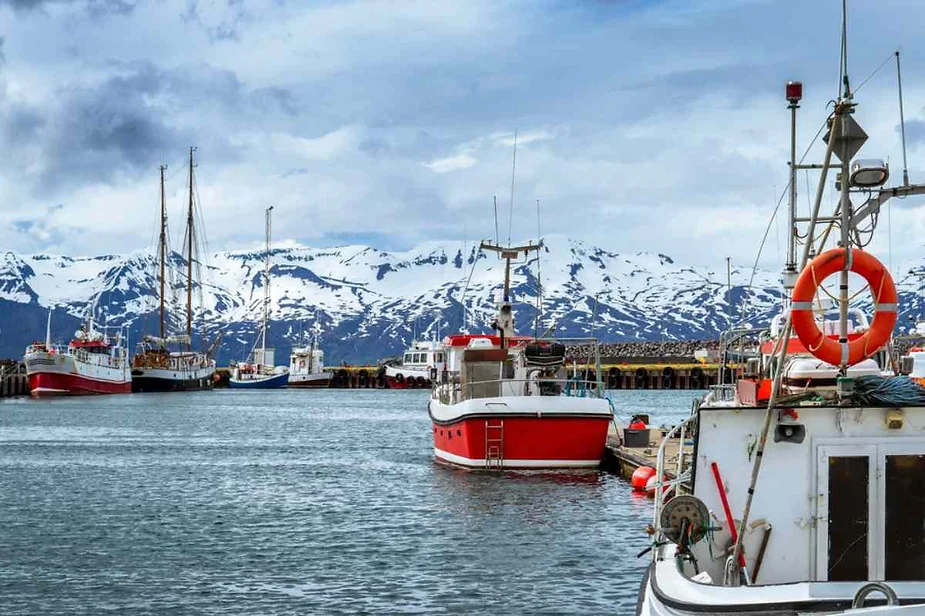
[392,383]
[522,442]
[59,384]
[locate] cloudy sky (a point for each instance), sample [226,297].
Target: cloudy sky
[653,125]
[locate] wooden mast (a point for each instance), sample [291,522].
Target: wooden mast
[163,245]
[189,257]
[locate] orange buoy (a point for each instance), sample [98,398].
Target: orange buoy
[640,476]
[637,425]
[838,352]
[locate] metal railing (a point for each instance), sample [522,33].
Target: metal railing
[453,391]
[664,489]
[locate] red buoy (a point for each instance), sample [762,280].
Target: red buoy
[638,425]
[650,486]
[640,477]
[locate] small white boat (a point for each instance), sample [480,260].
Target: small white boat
[260,371]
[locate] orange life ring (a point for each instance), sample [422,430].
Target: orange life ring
[838,352]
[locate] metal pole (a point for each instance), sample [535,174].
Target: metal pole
[846,245]
[266,289]
[902,121]
[781,351]
[791,226]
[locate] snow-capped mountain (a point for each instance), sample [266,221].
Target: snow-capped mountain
[370,303]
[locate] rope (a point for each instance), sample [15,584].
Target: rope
[875,390]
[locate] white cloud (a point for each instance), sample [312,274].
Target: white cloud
[453,163]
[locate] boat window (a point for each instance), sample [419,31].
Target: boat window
[408,358]
[848,518]
[481,380]
[905,513]
[508,369]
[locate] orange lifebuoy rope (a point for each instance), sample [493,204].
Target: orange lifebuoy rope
[885,307]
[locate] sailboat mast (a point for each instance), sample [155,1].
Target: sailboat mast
[189,257]
[163,245]
[266,287]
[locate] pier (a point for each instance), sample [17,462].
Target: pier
[13,380]
[623,460]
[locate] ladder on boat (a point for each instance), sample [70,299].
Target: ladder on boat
[494,444]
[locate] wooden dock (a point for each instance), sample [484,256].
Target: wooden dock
[13,380]
[624,460]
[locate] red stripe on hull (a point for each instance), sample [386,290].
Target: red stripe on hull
[57,384]
[560,441]
[391,383]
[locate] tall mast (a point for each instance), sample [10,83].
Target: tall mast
[266,288]
[163,245]
[189,256]
[794,92]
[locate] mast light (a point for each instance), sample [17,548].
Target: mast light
[794,91]
[869,173]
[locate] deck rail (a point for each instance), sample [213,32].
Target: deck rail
[453,391]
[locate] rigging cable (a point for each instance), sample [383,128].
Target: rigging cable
[767,230]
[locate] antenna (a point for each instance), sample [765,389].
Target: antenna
[510,220]
[539,274]
[497,235]
[844,88]
[902,121]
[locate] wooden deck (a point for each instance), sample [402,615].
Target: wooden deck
[624,460]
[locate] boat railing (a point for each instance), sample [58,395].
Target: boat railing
[666,488]
[724,392]
[453,391]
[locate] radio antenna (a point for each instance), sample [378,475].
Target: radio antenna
[902,121]
[510,220]
[497,235]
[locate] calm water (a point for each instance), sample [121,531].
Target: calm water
[297,501]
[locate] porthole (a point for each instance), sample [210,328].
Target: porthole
[459,433]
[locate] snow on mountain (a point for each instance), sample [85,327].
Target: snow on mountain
[370,303]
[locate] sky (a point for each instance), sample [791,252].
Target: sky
[654,125]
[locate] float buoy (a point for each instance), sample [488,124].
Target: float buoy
[399,378]
[419,381]
[650,486]
[845,352]
[637,424]
[640,478]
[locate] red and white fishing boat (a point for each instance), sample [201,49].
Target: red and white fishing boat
[417,366]
[505,402]
[92,363]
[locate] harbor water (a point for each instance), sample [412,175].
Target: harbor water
[258,502]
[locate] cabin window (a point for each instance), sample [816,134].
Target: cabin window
[905,517]
[507,369]
[408,358]
[848,517]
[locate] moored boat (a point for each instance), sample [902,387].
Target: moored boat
[259,371]
[503,401]
[417,367]
[167,363]
[808,476]
[94,362]
[306,367]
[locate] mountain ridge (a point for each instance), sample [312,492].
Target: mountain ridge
[369,303]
